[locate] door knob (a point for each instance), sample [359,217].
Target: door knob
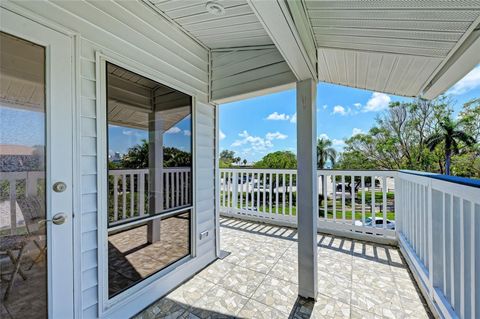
[59,219]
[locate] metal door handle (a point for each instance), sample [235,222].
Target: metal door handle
[58,219]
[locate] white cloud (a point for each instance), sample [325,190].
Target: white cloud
[378,102]
[338,143]
[275,116]
[338,109]
[173,130]
[469,82]
[357,105]
[324,136]
[256,143]
[325,106]
[187,132]
[293,119]
[275,136]
[221,135]
[357,131]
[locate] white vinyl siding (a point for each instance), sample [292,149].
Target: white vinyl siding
[133,31]
[238,73]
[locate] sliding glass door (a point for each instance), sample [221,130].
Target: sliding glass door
[149,177]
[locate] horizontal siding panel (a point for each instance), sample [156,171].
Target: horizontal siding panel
[89,221]
[88,127]
[88,145]
[118,39]
[88,165]
[89,184]
[89,240]
[90,297]
[89,202]
[89,259]
[88,107]
[89,278]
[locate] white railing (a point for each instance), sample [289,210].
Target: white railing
[268,194]
[15,184]
[129,191]
[438,227]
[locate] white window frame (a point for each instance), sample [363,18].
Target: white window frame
[126,298]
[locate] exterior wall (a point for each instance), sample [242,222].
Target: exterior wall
[239,74]
[131,31]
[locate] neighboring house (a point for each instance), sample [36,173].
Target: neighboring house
[120,240]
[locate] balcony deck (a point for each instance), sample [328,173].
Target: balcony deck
[259,280]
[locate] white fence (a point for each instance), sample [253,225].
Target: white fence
[438,226]
[129,190]
[13,185]
[350,202]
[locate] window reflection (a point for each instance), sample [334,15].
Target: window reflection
[149,174]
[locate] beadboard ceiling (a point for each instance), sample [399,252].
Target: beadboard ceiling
[391,46]
[238,27]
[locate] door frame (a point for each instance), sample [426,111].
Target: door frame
[43,32]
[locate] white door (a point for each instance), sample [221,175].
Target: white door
[36,137]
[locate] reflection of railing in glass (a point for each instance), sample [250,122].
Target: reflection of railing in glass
[133,184]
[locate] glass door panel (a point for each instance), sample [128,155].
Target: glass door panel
[23,235]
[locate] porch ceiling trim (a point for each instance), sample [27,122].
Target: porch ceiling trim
[280,26]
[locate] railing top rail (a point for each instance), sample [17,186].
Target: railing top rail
[261,170]
[446,178]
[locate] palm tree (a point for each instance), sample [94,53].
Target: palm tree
[450,134]
[325,153]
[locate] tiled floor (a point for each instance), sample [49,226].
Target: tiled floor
[259,280]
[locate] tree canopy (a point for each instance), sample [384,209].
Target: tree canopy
[278,160]
[401,136]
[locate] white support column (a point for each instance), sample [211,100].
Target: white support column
[307,193]
[155,184]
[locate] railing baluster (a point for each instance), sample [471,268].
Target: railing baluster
[374,219]
[270,190]
[384,191]
[13,206]
[325,196]
[363,199]
[334,182]
[115,197]
[124,196]
[283,194]
[177,188]
[276,193]
[290,188]
[264,186]
[167,189]
[132,195]
[141,194]
[352,199]
[343,198]
[258,191]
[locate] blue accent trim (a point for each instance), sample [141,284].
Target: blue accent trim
[447,178]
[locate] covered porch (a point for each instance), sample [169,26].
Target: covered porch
[258,279]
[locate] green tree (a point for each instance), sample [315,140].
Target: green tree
[278,160]
[325,153]
[136,157]
[227,158]
[451,135]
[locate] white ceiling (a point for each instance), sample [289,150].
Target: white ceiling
[238,27]
[390,46]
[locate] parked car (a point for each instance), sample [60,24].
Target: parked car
[378,223]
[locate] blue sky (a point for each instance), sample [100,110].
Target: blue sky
[253,127]
[257,126]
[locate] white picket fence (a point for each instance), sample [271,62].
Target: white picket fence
[130,183]
[438,227]
[270,195]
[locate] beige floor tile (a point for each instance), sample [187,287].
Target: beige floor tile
[218,302]
[216,271]
[277,293]
[256,310]
[285,270]
[191,291]
[334,287]
[242,280]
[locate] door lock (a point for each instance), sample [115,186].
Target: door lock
[59,187]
